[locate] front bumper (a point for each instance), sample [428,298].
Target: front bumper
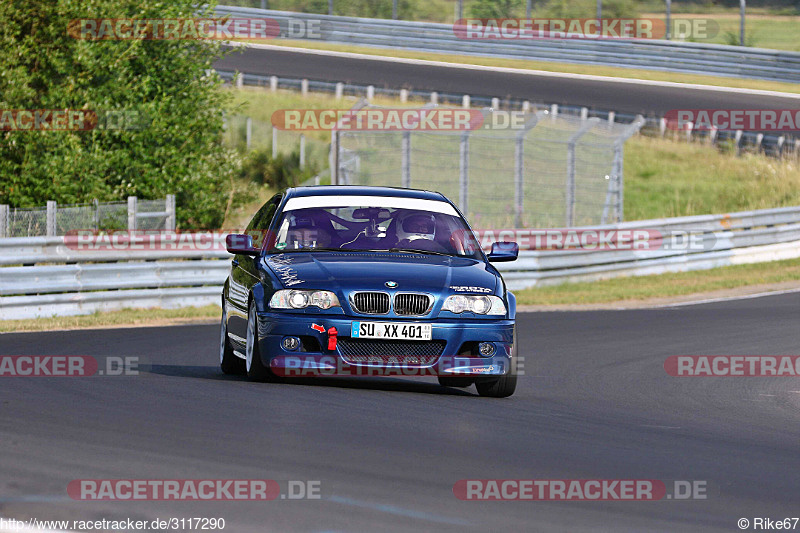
[313,358]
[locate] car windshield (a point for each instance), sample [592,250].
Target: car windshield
[408,226]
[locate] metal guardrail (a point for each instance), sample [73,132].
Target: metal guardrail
[695,58]
[107,280]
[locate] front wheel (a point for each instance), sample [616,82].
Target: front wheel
[504,386]
[255,367]
[228,361]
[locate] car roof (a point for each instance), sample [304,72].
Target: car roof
[362,190]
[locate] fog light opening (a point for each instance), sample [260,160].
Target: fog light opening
[486,349]
[291,343]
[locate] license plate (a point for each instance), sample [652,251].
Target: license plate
[389,330]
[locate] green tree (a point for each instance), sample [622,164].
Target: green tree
[168,82]
[485,9]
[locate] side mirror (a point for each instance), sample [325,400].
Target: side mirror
[504,251]
[240,244]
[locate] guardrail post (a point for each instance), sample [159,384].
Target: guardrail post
[662,126]
[797,148]
[570,189]
[689,130]
[249,131]
[133,207]
[465,101]
[463,174]
[4,221]
[554,111]
[304,87]
[404,95]
[339,90]
[526,106]
[584,113]
[738,139]
[52,209]
[170,223]
[239,80]
[273,83]
[781,140]
[712,135]
[759,141]
[370,93]
[405,164]
[611,117]
[495,103]
[274,142]
[435,98]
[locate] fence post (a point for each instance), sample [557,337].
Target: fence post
[170,209]
[133,207]
[334,157]
[405,164]
[463,174]
[249,133]
[274,142]
[96,204]
[570,192]
[52,208]
[519,169]
[302,150]
[4,219]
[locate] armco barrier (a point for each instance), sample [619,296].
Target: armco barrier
[45,276]
[672,56]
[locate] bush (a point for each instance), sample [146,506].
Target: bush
[277,173]
[588,9]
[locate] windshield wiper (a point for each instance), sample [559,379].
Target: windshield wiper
[415,251]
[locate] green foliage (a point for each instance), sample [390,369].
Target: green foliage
[277,173]
[496,9]
[588,9]
[177,151]
[732,38]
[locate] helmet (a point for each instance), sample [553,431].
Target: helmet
[414,225]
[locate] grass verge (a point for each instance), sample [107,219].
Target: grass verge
[547,66]
[662,285]
[125,317]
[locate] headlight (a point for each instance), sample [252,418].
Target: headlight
[480,305]
[300,299]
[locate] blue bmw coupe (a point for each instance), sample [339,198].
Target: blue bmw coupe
[355,281]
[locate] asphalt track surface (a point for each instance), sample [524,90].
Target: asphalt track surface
[595,403]
[601,95]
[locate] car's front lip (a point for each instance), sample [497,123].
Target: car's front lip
[274,326]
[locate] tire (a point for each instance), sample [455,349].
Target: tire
[253,364]
[228,361]
[457,382]
[504,386]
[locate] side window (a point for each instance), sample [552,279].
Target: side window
[261,221]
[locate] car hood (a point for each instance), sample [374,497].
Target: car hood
[347,271]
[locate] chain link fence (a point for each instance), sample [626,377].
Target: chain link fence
[552,170]
[134,214]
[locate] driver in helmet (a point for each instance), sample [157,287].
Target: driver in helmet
[415,225]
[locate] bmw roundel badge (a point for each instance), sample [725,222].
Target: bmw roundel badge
[391,284]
